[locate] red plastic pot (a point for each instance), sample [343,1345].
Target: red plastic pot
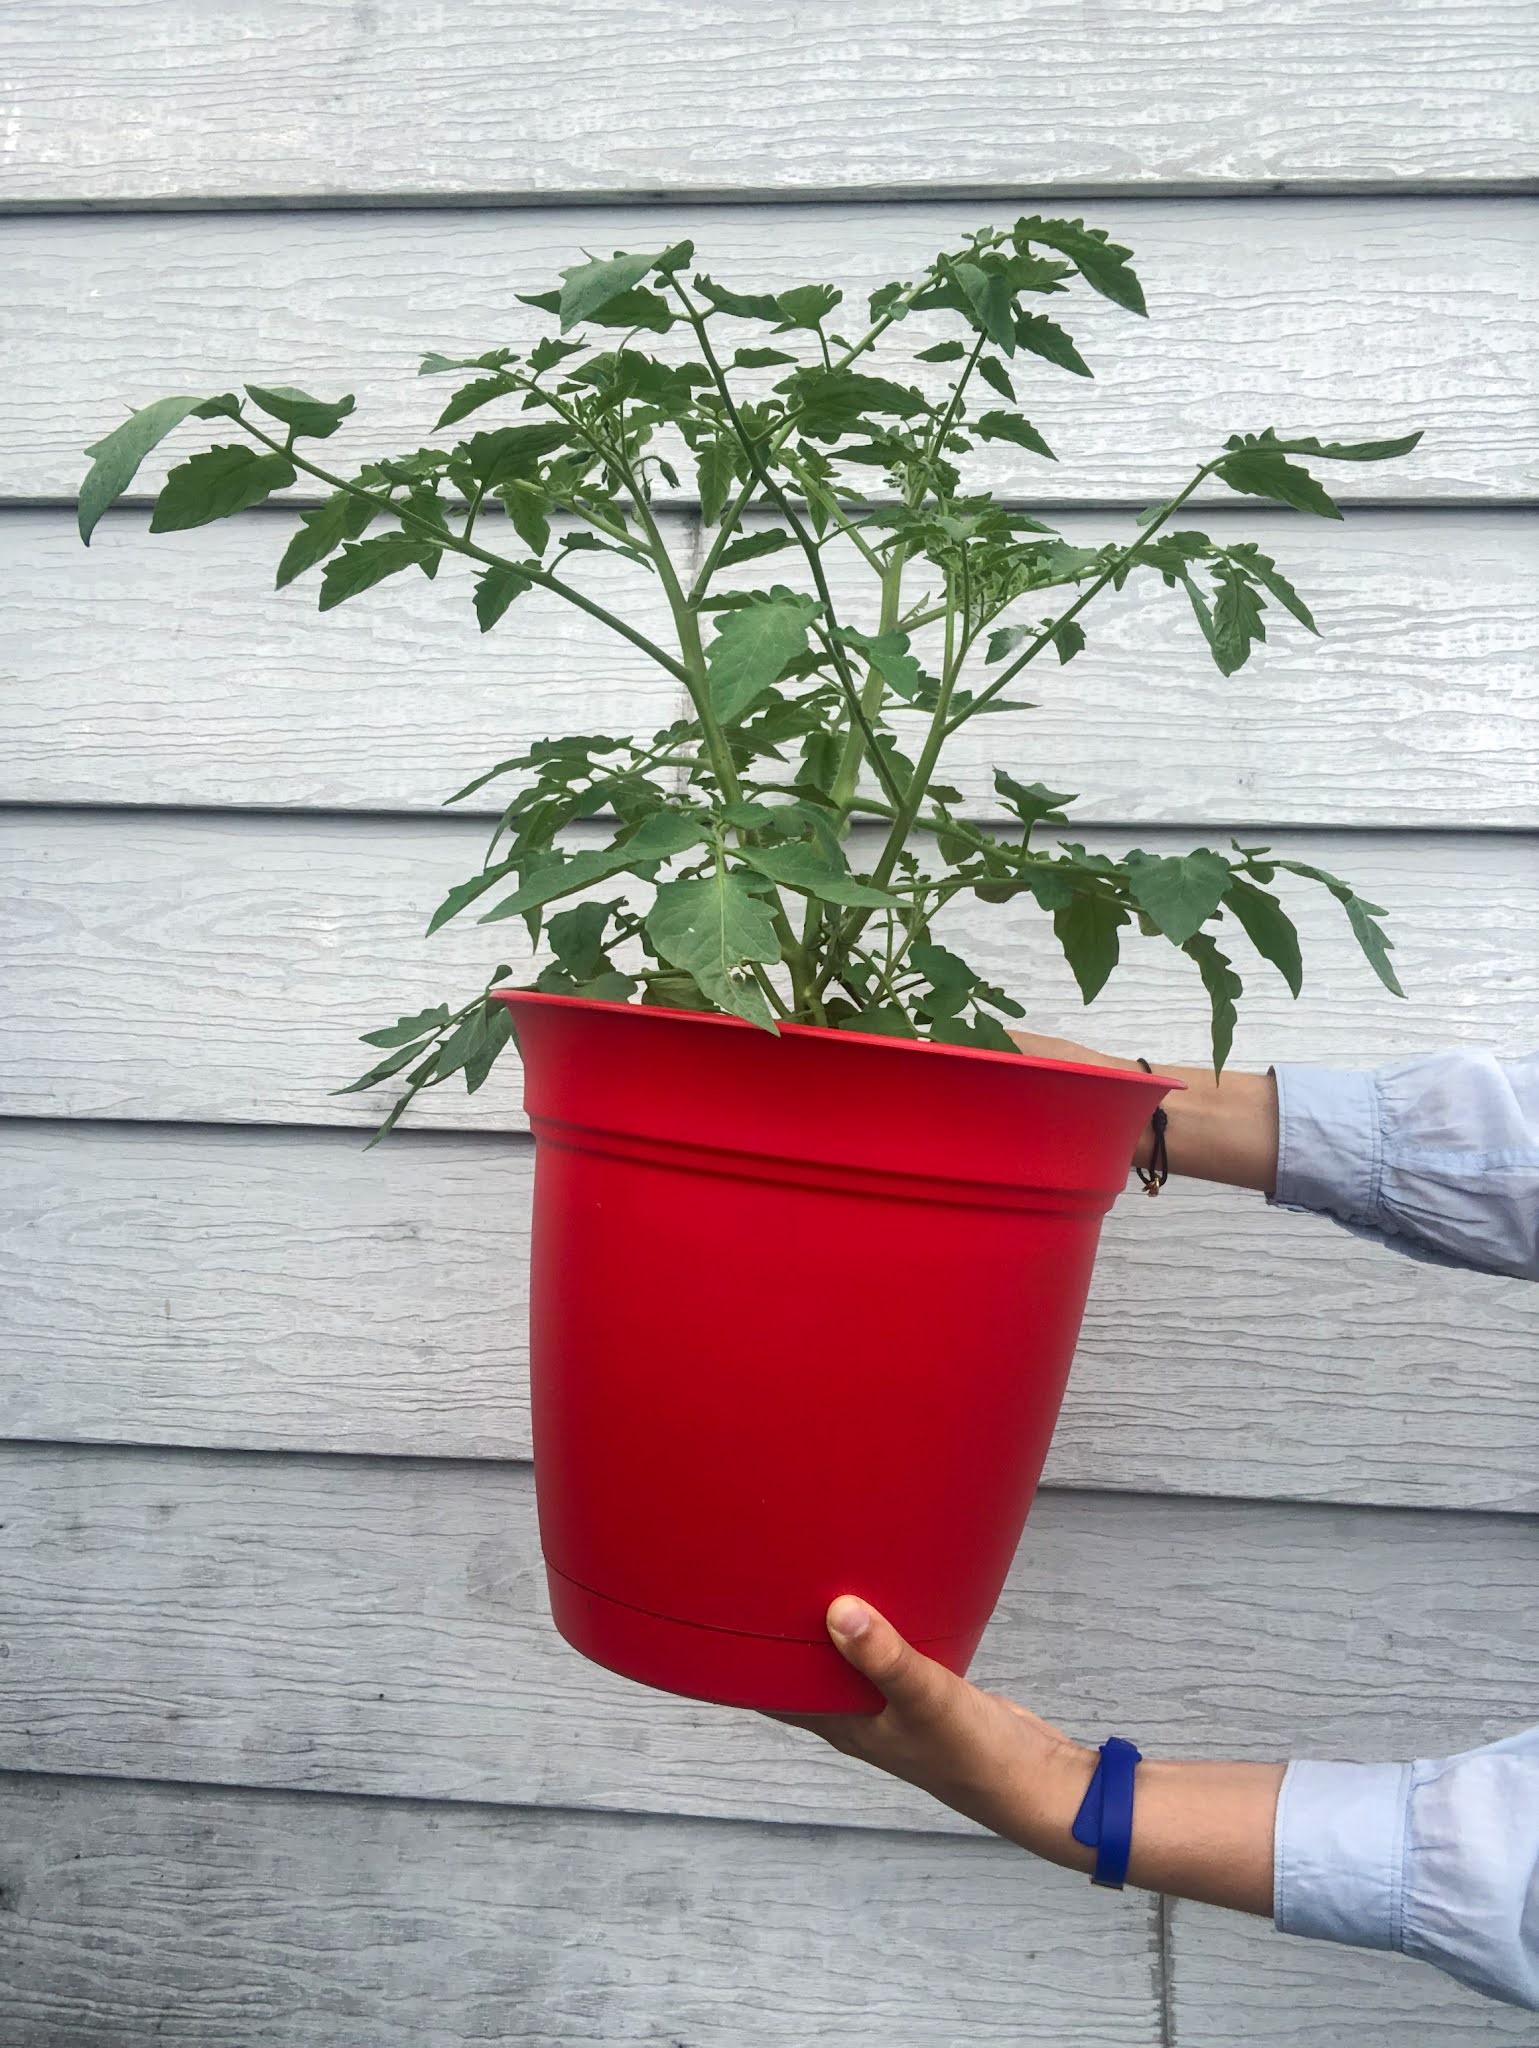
[801,1316]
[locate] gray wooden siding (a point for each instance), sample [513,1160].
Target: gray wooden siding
[152,100]
[1347,316]
[288,1750]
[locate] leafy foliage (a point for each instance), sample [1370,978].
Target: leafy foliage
[727,839]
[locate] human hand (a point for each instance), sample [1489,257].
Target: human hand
[977,1753]
[1200,1830]
[1223,1130]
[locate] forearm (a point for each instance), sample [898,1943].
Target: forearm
[1217,1129]
[1200,1830]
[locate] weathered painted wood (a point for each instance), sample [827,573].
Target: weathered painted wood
[143,1914]
[1234,1979]
[379,1626]
[1293,313]
[281,1290]
[166,671]
[141,98]
[200,967]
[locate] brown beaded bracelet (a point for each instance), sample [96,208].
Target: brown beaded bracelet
[1157,1173]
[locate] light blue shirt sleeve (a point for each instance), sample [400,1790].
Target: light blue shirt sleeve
[1437,1155]
[1439,1860]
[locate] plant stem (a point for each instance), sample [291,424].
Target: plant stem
[804,539]
[1046,637]
[440,537]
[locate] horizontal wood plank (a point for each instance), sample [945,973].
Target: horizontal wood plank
[208,968]
[283,1291]
[380,1626]
[151,1914]
[141,100]
[1291,313]
[1234,1979]
[166,671]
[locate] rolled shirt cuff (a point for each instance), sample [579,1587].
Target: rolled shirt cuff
[1339,1856]
[1329,1143]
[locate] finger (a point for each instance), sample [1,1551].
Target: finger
[904,1676]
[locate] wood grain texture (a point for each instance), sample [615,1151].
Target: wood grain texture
[1234,1979]
[208,968]
[159,99]
[379,1626]
[1332,318]
[166,671]
[152,1914]
[280,1290]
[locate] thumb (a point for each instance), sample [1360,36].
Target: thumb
[904,1676]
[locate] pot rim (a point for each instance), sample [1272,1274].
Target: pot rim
[553,999]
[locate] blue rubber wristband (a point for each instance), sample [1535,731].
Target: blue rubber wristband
[1105,1818]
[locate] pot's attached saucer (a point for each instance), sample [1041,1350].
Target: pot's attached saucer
[773,1674]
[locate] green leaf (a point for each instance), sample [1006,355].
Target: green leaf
[586,288]
[657,838]
[1068,640]
[1009,426]
[464,1042]
[119,454]
[829,400]
[506,453]
[808,305]
[407,1030]
[528,508]
[360,567]
[434,364]
[215,484]
[1100,262]
[752,647]
[495,591]
[1224,987]
[712,926]
[547,352]
[1180,893]
[636,308]
[1354,451]
[465,893]
[1237,622]
[312,417]
[752,545]
[742,306]
[1087,928]
[322,531]
[943,352]
[993,371]
[760,358]
[943,968]
[717,474]
[799,866]
[985,1033]
[391,1065]
[1258,470]
[1266,572]
[1361,915]
[498,1034]
[1268,927]
[883,1021]
[988,293]
[577,938]
[471,397]
[1032,802]
[1045,338]
[888,654]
